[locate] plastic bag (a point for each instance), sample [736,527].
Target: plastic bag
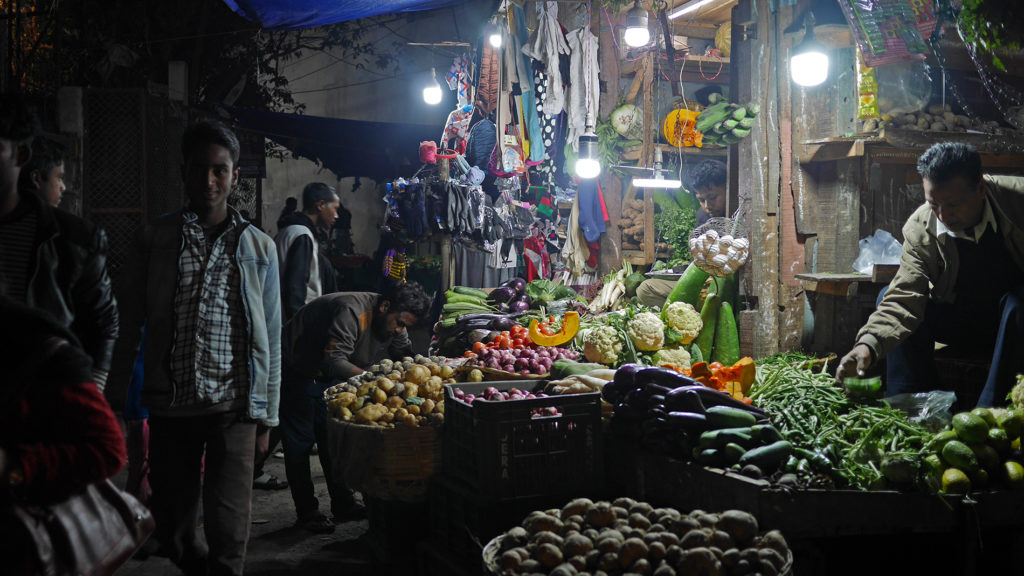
[929,409]
[903,88]
[879,248]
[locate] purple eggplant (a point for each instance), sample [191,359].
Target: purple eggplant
[685,398]
[624,381]
[689,421]
[501,323]
[518,306]
[517,284]
[504,294]
[664,377]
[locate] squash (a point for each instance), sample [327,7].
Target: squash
[570,325]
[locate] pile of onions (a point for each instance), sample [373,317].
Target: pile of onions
[492,394]
[526,361]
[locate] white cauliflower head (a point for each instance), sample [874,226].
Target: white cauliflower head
[677,357]
[683,318]
[602,345]
[646,331]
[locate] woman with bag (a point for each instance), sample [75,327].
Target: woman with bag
[59,443]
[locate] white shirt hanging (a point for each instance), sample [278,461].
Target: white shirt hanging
[584,90]
[547,44]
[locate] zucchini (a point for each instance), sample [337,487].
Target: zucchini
[728,417]
[727,338]
[725,288]
[733,452]
[475,292]
[709,316]
[719,438]
[456,298]
[688,286]
[711,457]
[765,433]
[769,457]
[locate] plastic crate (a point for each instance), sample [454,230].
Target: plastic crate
[499,450]
[461,524]
[394,527]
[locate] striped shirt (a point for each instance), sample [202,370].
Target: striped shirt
[17,249]
[209,355]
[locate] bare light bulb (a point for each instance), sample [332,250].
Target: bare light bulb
[432,93]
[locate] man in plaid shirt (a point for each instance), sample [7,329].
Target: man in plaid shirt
[205,282]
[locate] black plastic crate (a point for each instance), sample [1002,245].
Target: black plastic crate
[499,450]
[393,528]
[461,524]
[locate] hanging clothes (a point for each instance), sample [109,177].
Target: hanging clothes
[584,89]
[538,263]
[487,80]
[575,252]
[547,44]
[537,148]
[458,79]
[591,216]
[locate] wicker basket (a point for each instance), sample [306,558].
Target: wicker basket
[387,463]
[492,553]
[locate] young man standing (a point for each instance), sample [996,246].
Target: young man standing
[44,173]
[205,283]
[53,260]
[332,338]
[297,252]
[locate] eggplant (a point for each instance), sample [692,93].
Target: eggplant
[502,295]
[685,398]
[518,306]
[517,284]
[503,307]
[478,335]
[501,323]
[689,421]
[710,397]
[623,382]
[663,377]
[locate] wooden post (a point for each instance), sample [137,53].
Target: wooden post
[446,242]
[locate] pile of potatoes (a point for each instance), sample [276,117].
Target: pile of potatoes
[406,393]
[936,118]
[626,537]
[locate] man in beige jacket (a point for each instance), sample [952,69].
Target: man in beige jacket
[960,279]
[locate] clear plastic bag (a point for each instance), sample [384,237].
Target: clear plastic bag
[929,409]
[879,248]
[903,88]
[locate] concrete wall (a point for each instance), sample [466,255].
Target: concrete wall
[337,89]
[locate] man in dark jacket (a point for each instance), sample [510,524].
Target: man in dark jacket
[333,338]
[297,247]
[53,260]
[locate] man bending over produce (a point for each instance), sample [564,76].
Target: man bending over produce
[708,183]
[333,338]
[959,282]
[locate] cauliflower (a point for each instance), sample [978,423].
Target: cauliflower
[602,345]
[677,357]
[683,318]
[646,331]
[1016,395]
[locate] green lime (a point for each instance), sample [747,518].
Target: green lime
[998,439]
[954,481]
[986,415]
[1013,473]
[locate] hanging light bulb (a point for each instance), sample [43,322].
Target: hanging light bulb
[808,66]
[432,93]
[494,35]
[637,33]
[587,164]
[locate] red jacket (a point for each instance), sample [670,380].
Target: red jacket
[56,427]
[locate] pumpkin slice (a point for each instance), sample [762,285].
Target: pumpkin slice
[570,325]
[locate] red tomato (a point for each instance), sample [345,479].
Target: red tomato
[478,346]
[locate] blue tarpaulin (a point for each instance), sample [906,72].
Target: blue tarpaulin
[377,150]
[294,14]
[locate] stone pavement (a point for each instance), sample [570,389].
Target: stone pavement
[277,548]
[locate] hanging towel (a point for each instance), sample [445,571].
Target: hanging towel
[591,217]
[529,99]
[583,82]
[547,44]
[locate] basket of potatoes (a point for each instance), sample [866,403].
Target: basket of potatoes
[630,537]
[384,431]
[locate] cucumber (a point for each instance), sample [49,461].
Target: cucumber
[475,292]
[709,316]
[688,286]
[725,288]
[456,298]
[727,338]
[711,457]
[728,417]
[765,433]
[769,457]
[719,438]
[739,113]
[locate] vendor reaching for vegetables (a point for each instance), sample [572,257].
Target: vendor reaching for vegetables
[959,282]
[332,338]
[708,183]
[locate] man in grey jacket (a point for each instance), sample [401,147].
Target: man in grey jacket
[960,279]
[205,283]
[333,338]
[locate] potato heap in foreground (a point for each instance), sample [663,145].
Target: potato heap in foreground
[630,537]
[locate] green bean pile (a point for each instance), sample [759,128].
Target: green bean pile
[856,444]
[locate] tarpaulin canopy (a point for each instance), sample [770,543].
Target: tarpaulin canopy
[294,14]
[377,150]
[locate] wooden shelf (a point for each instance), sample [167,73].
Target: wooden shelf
[901,145]
[633,152]
[691,66]
[845,284]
